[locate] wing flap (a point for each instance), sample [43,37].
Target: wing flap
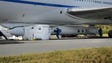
[92,13]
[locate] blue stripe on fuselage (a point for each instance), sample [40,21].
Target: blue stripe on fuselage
[40,3]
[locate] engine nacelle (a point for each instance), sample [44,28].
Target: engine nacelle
[19,31]
[75,30]
[32,32]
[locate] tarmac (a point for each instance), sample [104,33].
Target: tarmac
[13,48]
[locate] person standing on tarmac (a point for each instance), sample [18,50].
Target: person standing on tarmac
[57,31]
[100,32]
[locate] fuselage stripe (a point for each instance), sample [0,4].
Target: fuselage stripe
[40,3]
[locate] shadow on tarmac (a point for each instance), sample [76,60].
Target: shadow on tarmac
[4,42]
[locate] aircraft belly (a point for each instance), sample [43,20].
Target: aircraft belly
[24,13]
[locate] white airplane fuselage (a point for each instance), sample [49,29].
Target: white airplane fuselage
[47,11]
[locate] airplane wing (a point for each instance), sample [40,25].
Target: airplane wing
[92,13]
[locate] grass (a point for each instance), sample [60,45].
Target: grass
[92,55]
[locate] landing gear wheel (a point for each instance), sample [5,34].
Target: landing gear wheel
[110,34]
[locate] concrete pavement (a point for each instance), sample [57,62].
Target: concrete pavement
[9,48]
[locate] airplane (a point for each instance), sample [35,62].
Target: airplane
[56,12]
[44,32]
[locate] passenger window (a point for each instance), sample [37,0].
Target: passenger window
[78,31]
[32,27]
[82,31]
[39,29]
